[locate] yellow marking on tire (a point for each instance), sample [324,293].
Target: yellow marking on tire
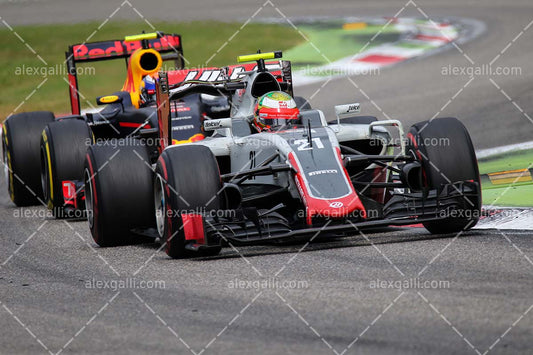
[51,197]
[10,184]
[4,130]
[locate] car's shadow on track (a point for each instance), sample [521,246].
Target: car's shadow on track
[377,236]
[370,237]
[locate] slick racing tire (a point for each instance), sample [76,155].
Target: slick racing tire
[118,191]
[21,135]
[187,180]
[63,148]
[302,103]
[445,151]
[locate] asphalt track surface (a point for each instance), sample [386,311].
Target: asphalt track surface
[47,306]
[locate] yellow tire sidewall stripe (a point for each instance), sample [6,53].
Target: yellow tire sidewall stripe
[51,195]
[10,186]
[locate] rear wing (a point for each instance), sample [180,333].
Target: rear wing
[281,70]
[168,45]
[171,82]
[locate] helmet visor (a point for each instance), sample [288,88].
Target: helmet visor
[278,117]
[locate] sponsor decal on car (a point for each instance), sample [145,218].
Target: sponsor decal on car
[119,48]
[183,128]
[180,109]
[181,118]
[320,172]
[336,204]
[212,124]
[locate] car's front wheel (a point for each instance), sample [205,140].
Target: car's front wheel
[187,182]
[446,153]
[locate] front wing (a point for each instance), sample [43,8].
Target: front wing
[251,228]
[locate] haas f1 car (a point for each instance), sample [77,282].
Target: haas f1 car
[257,178]
[43,155]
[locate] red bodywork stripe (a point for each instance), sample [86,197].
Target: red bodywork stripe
[193,226]
[69,193]
[419,225]
[320,207]
[74,99]
[132,124]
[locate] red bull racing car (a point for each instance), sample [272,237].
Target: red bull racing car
[43,155]
[272,169]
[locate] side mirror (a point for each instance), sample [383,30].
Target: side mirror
[346,111]
[109,99]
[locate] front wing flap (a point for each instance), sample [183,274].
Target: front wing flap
[403,209]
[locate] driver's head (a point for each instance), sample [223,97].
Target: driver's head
[147,89]
[275,110]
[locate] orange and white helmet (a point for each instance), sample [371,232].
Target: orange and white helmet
[275,110]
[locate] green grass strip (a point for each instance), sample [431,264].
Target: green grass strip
[518,194]
[509,161]
[515,196]
[201,40]
[330,43]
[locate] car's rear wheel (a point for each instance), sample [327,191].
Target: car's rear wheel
[63,148]
[21,135]
[118,192]
[187,182]
[445,150]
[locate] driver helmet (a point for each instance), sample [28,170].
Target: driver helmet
[275,110]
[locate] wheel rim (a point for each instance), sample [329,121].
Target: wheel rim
[44,175]
[89,198]
[160,203]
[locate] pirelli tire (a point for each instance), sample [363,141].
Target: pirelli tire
[444,148]
[118,192]
[21,135]
[63,147]
[187,181]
